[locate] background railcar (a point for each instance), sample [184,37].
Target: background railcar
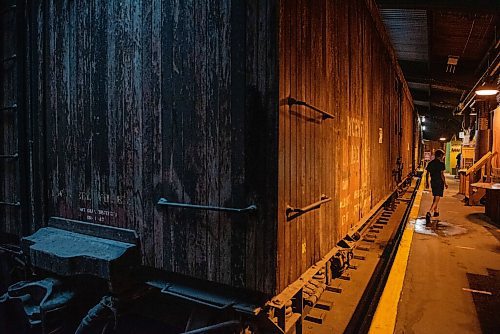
[278,104]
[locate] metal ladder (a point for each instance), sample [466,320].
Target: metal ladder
[9,119]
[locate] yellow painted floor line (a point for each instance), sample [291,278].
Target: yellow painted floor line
[384,320]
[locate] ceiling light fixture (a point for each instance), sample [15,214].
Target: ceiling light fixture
[487,89]
[442,138]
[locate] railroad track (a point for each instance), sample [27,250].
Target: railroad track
[353,295]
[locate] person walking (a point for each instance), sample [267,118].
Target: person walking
[435,169]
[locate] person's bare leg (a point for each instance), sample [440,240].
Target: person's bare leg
[436,203]
[431,210]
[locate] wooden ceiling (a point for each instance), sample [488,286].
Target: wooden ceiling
[424,35]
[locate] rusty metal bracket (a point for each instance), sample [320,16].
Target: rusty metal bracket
[164,201]
[291,101]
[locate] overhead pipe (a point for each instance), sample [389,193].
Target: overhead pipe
[491,70]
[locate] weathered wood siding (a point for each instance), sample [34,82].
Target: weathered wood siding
[135,100]
[333,56]
[145,99]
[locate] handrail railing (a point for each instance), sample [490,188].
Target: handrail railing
[291,211]
[9,156]
[291,101]
[10,203]
[164,201]
[480,163]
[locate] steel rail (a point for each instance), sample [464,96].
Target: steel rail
[291,290]
[363,315]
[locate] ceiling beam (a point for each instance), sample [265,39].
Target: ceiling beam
[432,104]
[421,103]
[448,89]
[444,105]
[476,6]
[437,82]
[420,95]
[418,86]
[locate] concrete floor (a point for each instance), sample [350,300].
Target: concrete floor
[461,252]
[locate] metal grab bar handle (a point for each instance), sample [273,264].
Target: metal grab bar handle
[315,205]
[292,101]
[9,156]
[164,201]
[10,203]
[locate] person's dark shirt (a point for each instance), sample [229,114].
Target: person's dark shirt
[435,167]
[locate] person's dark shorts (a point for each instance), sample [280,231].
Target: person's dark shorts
[437,189]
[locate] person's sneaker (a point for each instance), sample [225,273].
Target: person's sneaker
[428,217]
[436,214]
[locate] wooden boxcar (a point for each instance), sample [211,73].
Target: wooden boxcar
[278,104]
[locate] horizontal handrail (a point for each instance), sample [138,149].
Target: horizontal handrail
[14,106]
[9,156]
[292,101]
[315,205]
[164,201]
[10,203]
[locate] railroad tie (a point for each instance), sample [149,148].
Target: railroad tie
[334,289]
[324,305]
[315,316]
